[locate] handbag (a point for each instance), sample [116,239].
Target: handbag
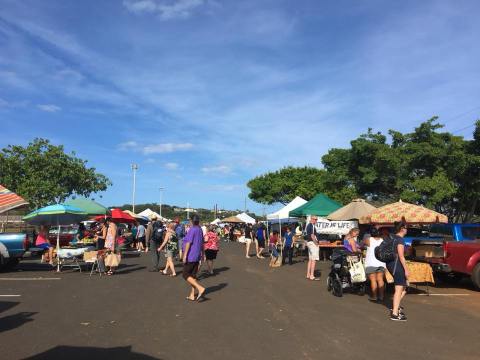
[357,272]
[112,260]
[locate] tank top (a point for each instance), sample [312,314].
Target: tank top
[41,238]
[370,259]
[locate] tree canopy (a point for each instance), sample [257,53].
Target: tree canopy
[43,173]
[426,167]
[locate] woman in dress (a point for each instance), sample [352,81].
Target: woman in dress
[374,268]
[170,244]
[110,241]
[211,248]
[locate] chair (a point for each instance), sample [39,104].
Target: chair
[91,257]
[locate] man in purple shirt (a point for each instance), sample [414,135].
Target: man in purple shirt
[192,254]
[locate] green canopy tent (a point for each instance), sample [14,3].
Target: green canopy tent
[89,206]
[320,205]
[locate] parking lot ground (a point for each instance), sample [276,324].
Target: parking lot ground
[251,312]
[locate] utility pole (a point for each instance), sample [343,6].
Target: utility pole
[161,198]
[134,169]
[245,208]
[188,211]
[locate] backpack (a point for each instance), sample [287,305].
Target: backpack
[385,252]
[158,232]
[180,231]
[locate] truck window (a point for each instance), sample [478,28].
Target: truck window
[471,232]
[445,231]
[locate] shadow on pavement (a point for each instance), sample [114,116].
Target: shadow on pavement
[7,305]
[78,352]
[128,269]
[212,289]
[13,321]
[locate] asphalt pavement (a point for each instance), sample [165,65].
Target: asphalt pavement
[251,312]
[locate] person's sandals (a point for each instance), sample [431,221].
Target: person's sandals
[200,296]
[109,272]
[189,299]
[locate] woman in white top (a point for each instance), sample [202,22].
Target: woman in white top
[374,268]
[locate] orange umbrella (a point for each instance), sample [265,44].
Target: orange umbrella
[402,211]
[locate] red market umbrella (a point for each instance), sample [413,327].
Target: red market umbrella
[118,216]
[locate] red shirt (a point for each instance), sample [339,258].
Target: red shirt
[212,241]
[273,239]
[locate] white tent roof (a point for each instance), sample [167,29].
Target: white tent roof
[216,222]
[246,218]
[150,214]
[283,212]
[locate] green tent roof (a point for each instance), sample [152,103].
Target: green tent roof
[320,205]
[89,206]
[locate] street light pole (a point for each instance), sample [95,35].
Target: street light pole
[134,169]
[160,205]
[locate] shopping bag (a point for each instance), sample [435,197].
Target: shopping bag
[357,272]
[90,256]
[112,260]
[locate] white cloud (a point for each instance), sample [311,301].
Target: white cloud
[220,169]
[49,107]
[226,188]
[166,148]
[128,145]
[149,161]
[171,166]
[178,9]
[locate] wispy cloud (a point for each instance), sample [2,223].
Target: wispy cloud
[127,145]
[171,166]
[49,108]
[166,10]
[220,169]
[166,148]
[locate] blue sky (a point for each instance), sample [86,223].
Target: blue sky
[206,94]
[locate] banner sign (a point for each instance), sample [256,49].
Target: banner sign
[324,226]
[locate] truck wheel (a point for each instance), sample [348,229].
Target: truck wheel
[11,263]
[476,276]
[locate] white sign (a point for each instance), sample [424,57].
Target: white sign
[324,226]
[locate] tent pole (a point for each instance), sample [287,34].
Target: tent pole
[58,247]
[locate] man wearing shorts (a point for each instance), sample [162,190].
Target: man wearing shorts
[313,249]
[192,254]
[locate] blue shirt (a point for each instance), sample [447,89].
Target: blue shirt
[288,239]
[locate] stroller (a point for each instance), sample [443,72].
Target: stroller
[347,272]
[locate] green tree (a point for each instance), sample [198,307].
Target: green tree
[284,185]
[426,167]
[43,173]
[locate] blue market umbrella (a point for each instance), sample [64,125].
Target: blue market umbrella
[56,215]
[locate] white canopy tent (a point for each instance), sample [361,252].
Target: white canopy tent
[246,218]
[216,222]
[150,214]
[283,212]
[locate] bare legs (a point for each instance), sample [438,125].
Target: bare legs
[247,249]
[400,292]
[210,266]
[170,266]
[195,286]
[380,286]
[377,286]
[311,269]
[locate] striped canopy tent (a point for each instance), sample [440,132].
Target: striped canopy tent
[232,219]
[9,200]
[402,211]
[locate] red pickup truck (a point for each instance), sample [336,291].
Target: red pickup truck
[450,259]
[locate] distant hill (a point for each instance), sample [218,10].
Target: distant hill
[172,212]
